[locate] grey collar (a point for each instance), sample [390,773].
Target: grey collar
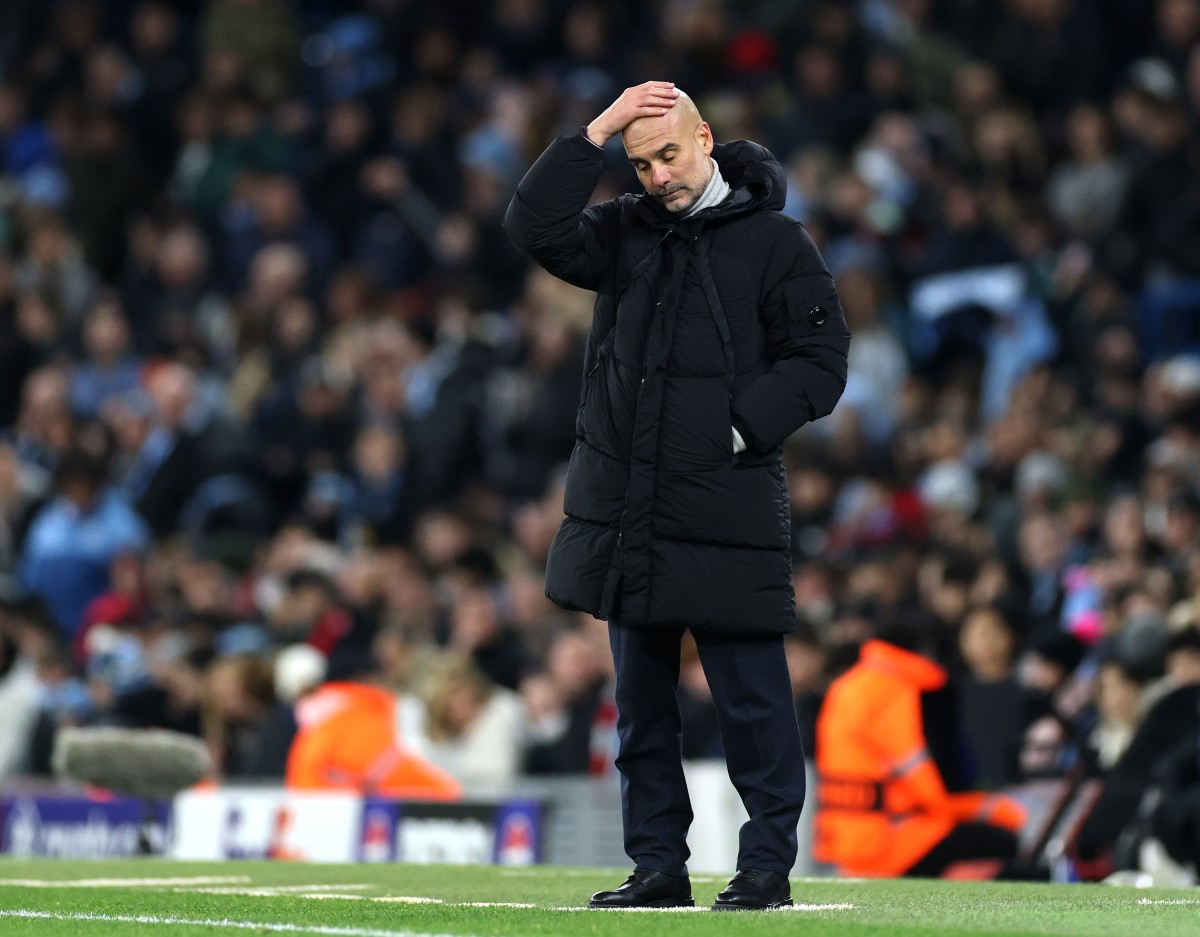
[714,193]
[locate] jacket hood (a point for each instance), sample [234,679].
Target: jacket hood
[752,169]
[755,176]
[909,667]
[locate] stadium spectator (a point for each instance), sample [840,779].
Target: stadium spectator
[1118,708]
[74,538]
[20,693]
[474,729]
[992,709]
[1170,721]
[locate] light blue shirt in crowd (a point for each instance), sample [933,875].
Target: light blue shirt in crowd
[67,553]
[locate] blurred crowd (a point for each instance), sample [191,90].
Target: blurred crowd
[279,403]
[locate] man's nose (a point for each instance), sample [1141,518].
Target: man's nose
[661,176]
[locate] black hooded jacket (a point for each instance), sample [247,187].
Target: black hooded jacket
[728,318]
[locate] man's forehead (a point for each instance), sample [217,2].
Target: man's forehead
[650,134]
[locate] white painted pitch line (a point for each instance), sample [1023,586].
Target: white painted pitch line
[705,910]
[1146,901]
[838,906]
[126,882]
[329,892]
[635,910]
[218,923]
[495,904]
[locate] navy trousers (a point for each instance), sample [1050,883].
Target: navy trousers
[757,718]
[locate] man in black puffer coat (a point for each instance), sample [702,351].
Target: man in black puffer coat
[716,334]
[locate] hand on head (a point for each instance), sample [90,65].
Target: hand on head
[649,99]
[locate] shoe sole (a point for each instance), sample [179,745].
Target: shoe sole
[773,906]
[664,903]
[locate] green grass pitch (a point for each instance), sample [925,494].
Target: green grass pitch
[46,898]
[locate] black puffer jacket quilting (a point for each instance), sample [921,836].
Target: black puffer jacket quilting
[727,318]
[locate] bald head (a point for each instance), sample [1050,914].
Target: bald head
[671,154]
[684,115]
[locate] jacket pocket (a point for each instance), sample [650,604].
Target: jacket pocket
[589,379]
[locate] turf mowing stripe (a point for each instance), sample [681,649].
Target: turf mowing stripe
[213,922]
[130,882]
[266,890]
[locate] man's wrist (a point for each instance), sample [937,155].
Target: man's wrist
[596,137]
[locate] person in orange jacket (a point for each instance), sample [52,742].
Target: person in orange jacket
[348,740]
[882,807]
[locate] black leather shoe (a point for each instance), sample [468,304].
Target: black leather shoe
[755,890]
[646,888]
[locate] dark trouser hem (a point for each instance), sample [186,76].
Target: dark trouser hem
[672,873]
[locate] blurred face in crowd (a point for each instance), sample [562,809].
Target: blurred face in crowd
[279,203]
[77,23]
[1117,695]
[154,27]
[377,453]
[1183,667]
[12,109]
[818,73]
[295,324]
[394,653]
[106,334]
[455,704]
[1182,528]
[671,155]
[441,537]
[277,271]
[987,644]
[348,126]
[182,258]
[1041,12]
[1124,531]
[36,320]
[474,621]
[1087,133]
[171,389]
[81,492]
[302,607]
[1042,543]
[1178,21]
[571,663]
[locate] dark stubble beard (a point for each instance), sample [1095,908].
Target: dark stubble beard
[693,194]
[680,206]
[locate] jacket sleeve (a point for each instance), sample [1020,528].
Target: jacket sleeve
[548,217]
[807,342]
